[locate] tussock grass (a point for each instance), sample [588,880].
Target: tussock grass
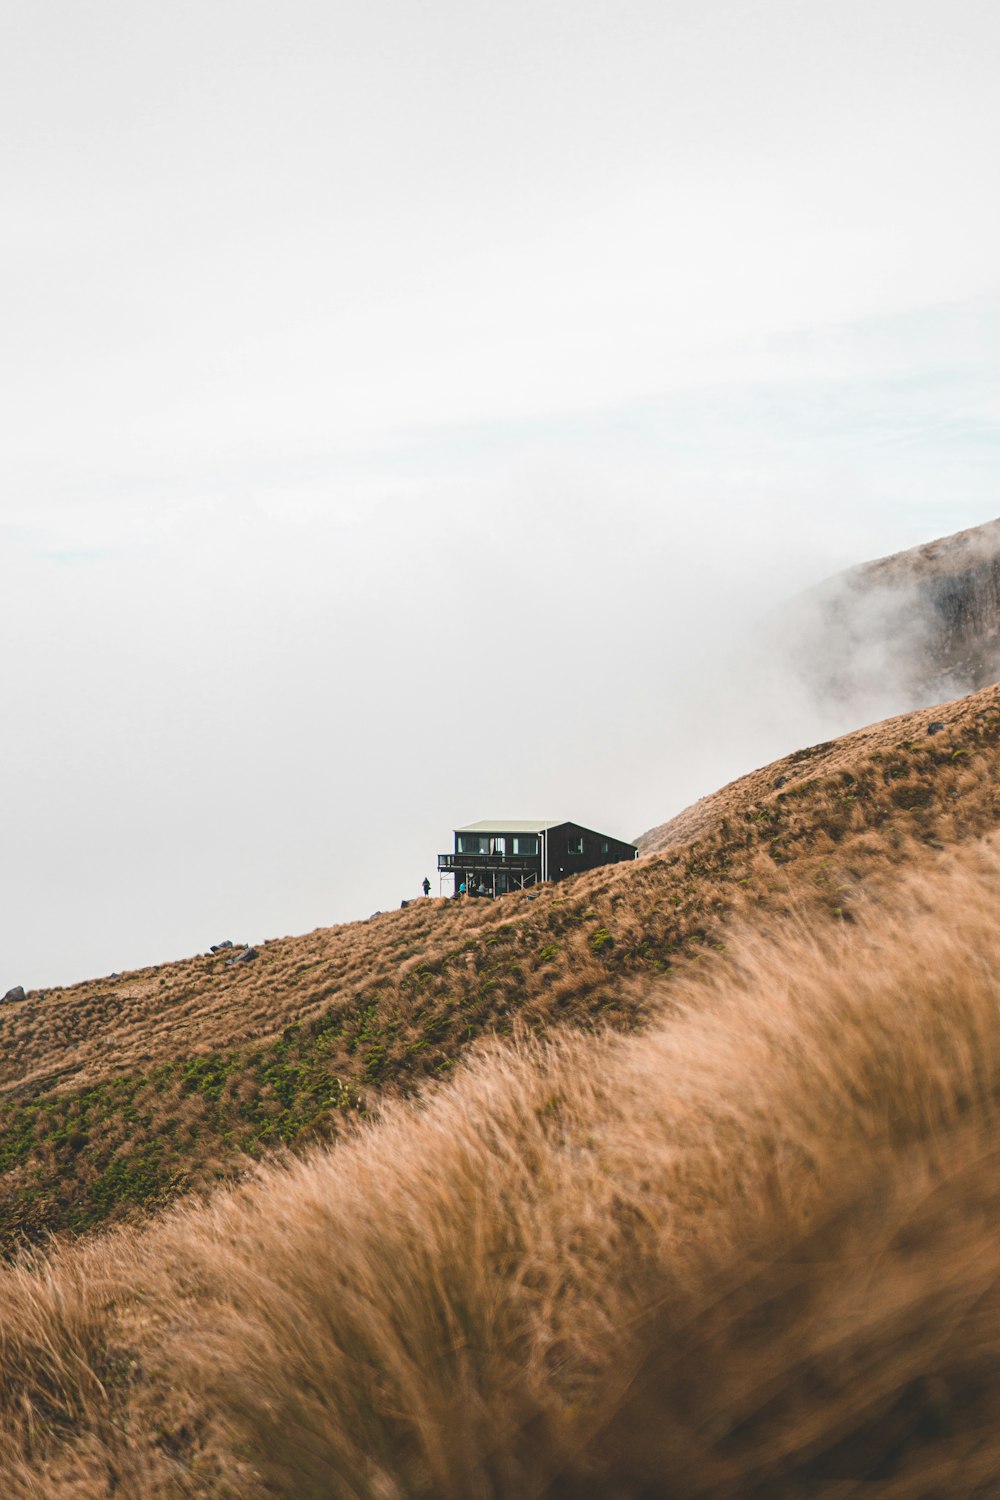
[751,1250]
[118,1098]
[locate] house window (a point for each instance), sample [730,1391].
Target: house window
[498,845]
[472,843]
[605,846]
[574,844]
[525,843]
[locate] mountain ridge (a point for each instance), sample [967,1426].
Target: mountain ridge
[901,631]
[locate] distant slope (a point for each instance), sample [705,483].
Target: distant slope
[909,629]
[957,580]
[118,1095]
[928,730]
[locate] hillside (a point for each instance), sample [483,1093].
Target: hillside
[908,629]
[930,740]
[956,580]
[121,1095]
[749,1251]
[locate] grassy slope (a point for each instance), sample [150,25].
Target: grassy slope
[750,1252]
[120,1095]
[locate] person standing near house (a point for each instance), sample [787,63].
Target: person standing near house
[427,886]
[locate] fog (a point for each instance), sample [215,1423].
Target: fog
[410,414]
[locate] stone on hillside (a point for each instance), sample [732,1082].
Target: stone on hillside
[17,993]
[935,728]
[218,947]
[246,957]
[780,780]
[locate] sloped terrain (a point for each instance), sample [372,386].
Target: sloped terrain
[957,582]
[121,1095]
[908,751]
[750,1251]
[901,631]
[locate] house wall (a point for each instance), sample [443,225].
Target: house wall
[598,849]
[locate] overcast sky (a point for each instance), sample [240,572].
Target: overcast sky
[407,409]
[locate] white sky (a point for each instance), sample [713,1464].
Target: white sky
[406,408]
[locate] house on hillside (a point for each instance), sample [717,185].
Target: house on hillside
[505,854]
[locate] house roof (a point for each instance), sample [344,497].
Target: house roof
[510,825]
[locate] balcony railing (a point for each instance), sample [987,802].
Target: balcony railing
[526,863]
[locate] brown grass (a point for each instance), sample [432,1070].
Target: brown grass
[74,1035]
[752,1250]
[119,1098]
[899,753]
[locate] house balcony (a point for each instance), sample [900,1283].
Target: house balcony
[517,864]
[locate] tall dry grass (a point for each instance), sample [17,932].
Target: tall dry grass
[888,779]
[752,1251]
[79,1155]
[118,1098]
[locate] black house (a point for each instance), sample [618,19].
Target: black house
[505,854]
